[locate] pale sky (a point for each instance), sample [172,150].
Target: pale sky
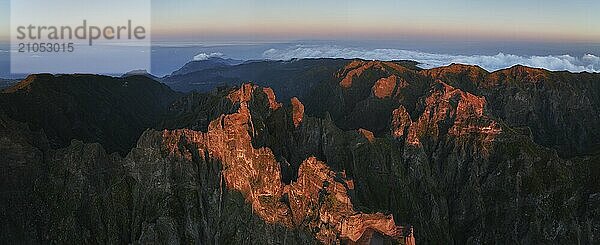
[537,20]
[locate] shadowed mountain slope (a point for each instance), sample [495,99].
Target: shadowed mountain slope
[107,110]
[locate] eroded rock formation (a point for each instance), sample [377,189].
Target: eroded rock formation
[297,111]
[317,201]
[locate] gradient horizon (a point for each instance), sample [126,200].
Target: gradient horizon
[268,20]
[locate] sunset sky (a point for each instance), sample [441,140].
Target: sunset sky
[247,20]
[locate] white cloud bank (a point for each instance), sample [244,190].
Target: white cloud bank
[588,62]
[204,56]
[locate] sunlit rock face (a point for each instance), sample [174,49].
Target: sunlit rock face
[400,122]
[454,124]
[545,102]
[384,87]
[297,111]
[453,112]
[356,68]
[273,104]
[367,134]
[318,201]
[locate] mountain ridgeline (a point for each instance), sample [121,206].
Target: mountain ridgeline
[303,152]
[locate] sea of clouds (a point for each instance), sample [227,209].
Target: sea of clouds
[588,62]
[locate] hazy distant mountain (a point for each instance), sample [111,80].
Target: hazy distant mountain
[210,63]
[335,151]
[140,73]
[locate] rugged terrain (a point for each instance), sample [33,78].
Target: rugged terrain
[352,151]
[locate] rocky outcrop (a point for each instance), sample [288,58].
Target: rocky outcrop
[451,111]
[384,87]
[400,122]
[317,186]
[367,134]
[297,111]
[273,104]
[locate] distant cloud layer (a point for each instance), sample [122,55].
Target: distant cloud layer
[204,56]
[589,62]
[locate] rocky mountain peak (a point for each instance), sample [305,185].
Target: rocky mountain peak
[457,72]
[356,68]
[518,73]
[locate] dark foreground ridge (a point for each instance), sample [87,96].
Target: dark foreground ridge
[111,111]
[365,152]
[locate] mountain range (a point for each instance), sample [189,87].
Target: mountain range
[303,151]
